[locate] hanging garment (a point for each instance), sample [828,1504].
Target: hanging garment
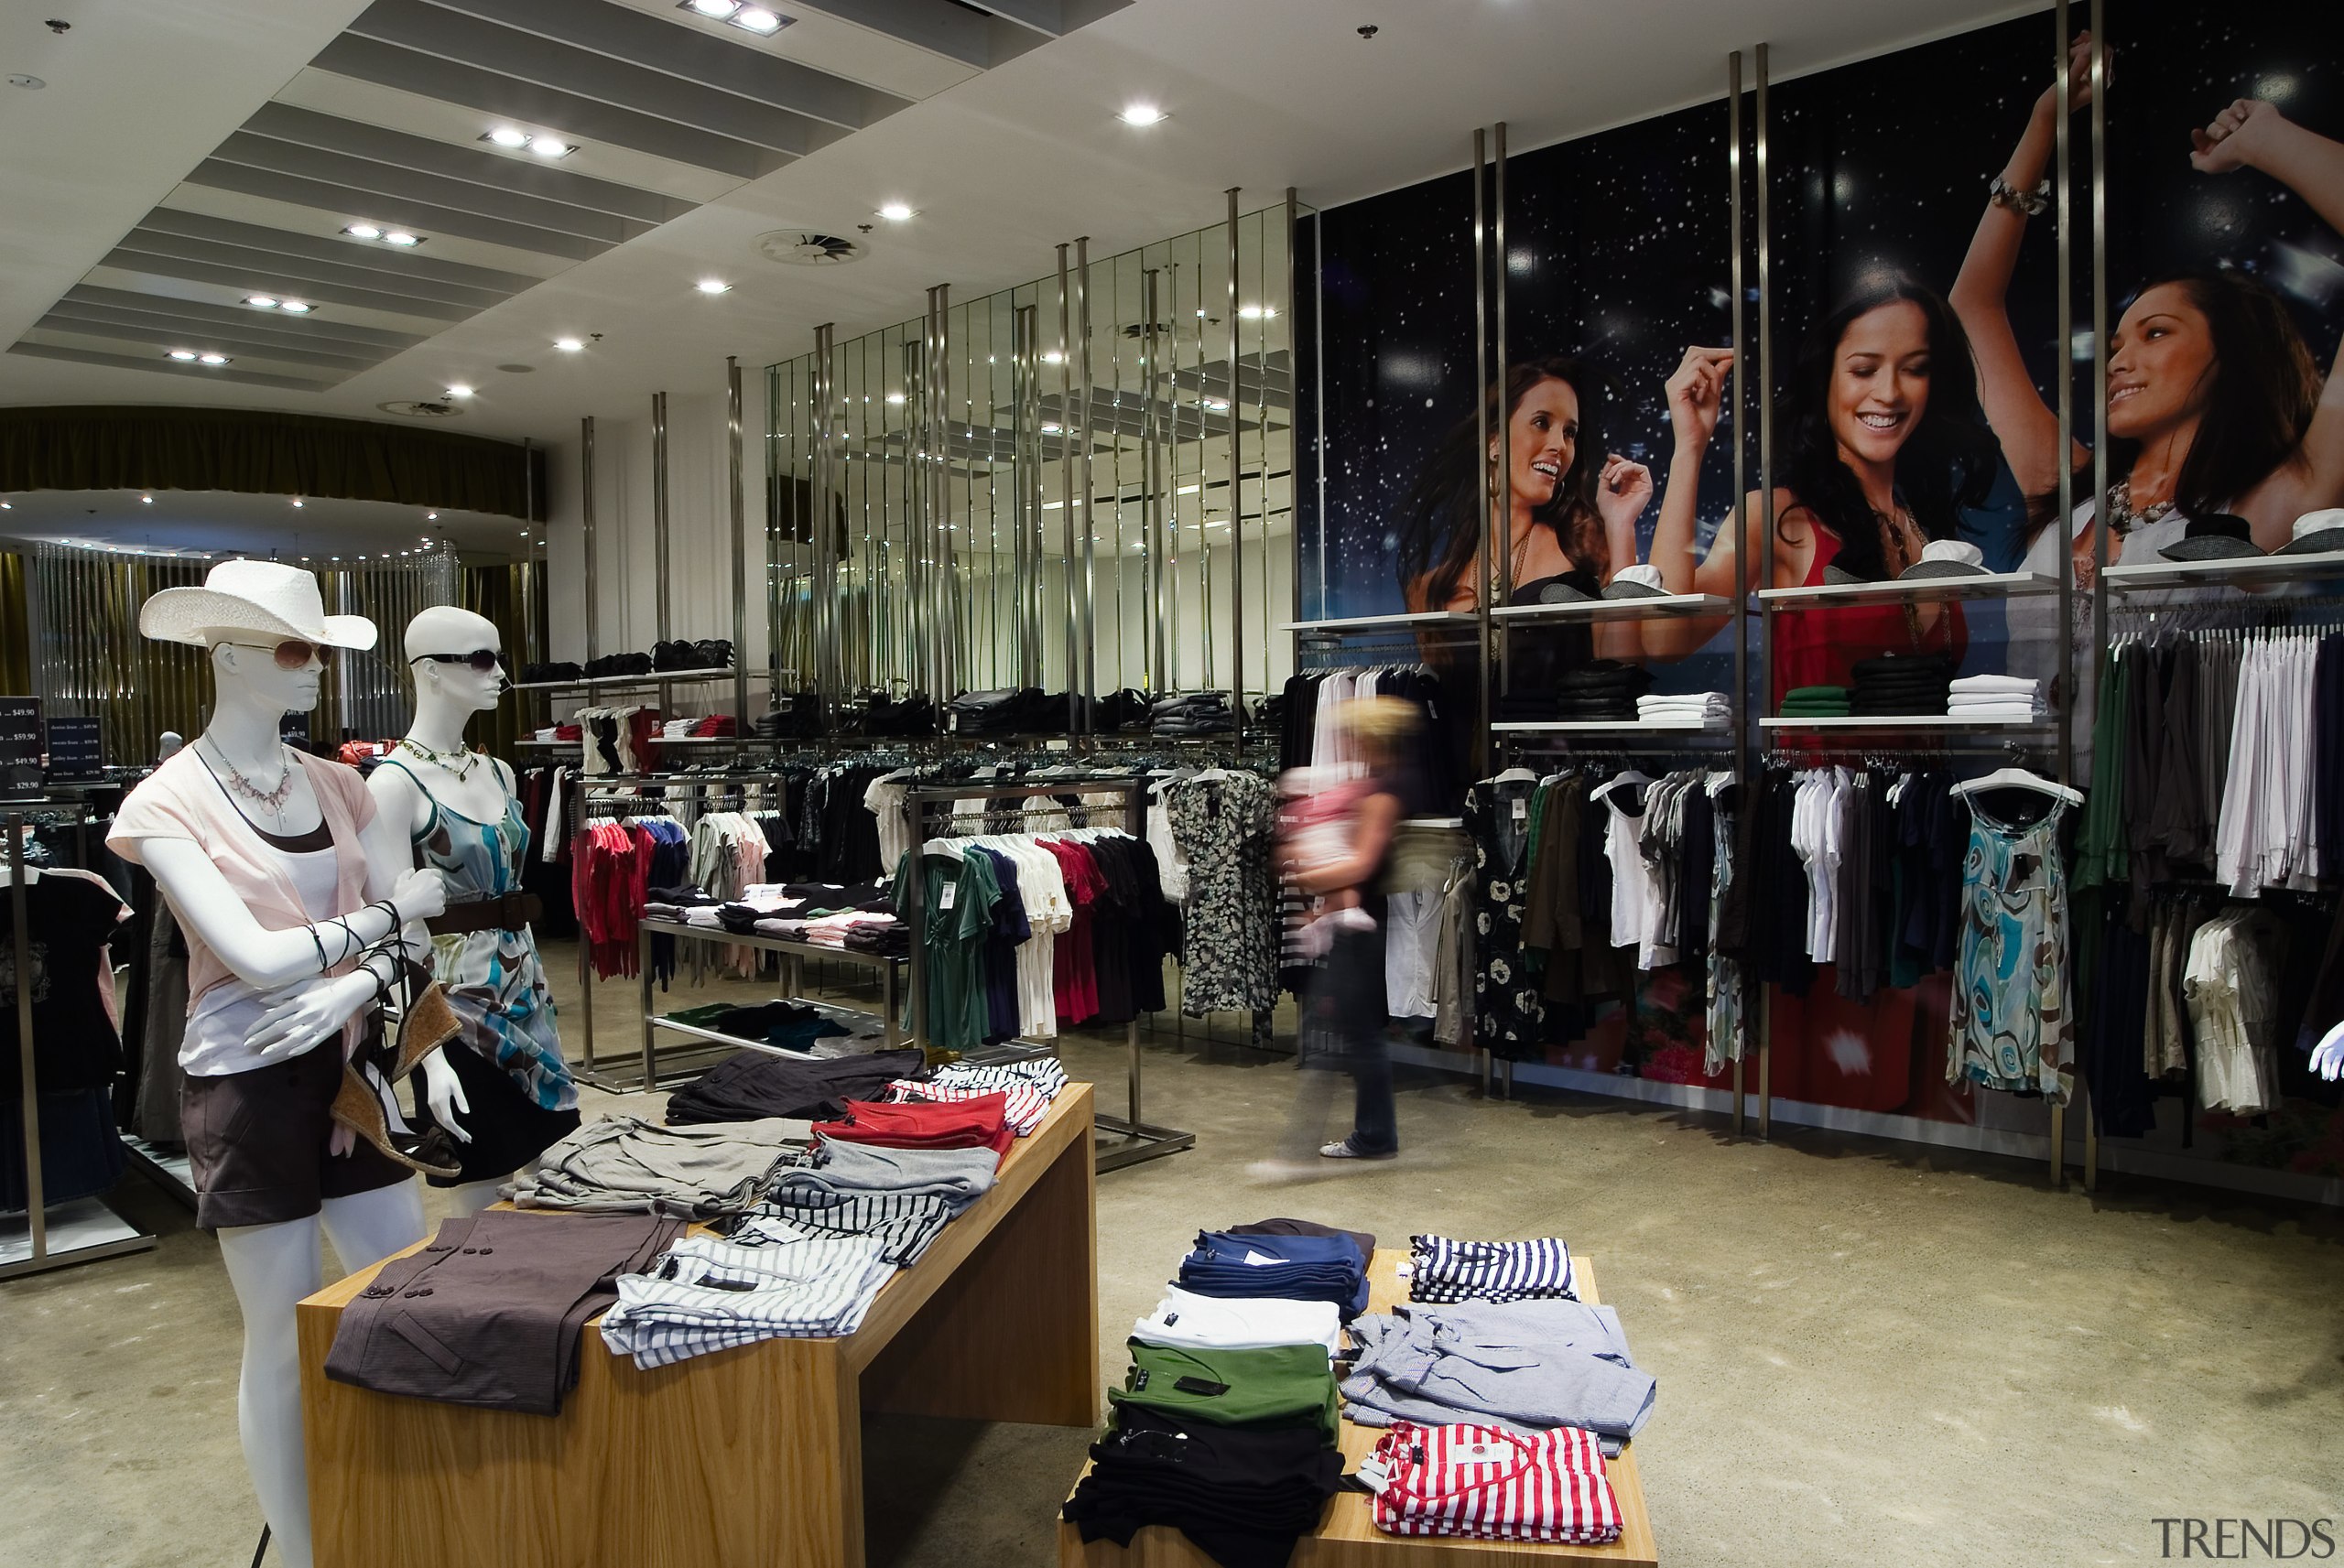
[1224,826]
[1509,1011]
[2013,1002]
[2230,980]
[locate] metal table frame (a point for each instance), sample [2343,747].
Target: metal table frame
[794,954]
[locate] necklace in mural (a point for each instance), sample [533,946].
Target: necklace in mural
[461,763]
[1898,530]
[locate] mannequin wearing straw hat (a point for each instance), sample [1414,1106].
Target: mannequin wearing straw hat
[453,809]
[263,856]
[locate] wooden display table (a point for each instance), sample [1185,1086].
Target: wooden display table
[1347,1535]
[743,1457]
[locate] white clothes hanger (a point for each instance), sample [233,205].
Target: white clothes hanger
[1517,775]
[1631,778]
[2019,778]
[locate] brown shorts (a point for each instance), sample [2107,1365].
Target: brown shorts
[257,1142]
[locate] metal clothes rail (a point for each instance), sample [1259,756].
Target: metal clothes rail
[793,986]
[1142,1140]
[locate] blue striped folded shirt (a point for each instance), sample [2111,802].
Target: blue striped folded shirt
[705,1295]
[1444,1269]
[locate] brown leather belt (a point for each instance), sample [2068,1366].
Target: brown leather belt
[508,912]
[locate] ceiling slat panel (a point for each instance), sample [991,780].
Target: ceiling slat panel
[475,263]
[326,329]
[527,57]
[83,321]
[125,274]
[38,349]
[188,247]
[935,26]
[366,175]
[839,48]
[695,56]
[433,76]
[400,210]
[476,164]
[257,281]
[340,251]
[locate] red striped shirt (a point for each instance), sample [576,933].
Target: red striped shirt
[1493,1485]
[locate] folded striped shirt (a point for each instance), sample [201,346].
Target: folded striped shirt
[1047,1074]
[959,1176]
[1025,1107]
[1444,1269]
[1487,1484]
[705,1295]
[904,1222]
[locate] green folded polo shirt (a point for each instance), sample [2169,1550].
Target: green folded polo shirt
[1285,1385]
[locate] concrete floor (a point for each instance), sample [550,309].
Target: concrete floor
[1866,1353]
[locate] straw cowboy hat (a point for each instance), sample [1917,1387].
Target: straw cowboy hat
[249,597]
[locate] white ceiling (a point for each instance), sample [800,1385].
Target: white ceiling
[209,521]
[1002,164]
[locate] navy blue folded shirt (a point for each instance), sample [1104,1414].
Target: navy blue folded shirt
[1293,1268]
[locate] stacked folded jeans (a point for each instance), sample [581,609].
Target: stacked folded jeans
[624,1165]
[1703,707]
[1123,709]
[1009,710]
[490,1313]
[1193,713]
[1529,1365]
[753,1085]
[1442,1270]
[2005,698]
[1900,684]
[1297,1267]
[1604,691]
[1816,702]
[1488,1484]
[703,1296]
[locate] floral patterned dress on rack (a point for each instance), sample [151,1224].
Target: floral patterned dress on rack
[1509,1008]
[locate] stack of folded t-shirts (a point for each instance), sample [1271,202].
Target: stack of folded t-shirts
[843,1169]
[753,1085]
[559,732]
[1702,708]
[1026,1089]
[1604,690]
[1816,702]
[491,1312]
[2014,699]
[1297,1268]
[793,716]
[703,1296]
[979,1123]
[622,1164]
[1442,1269]
[1492,1484]
[1899,684]
[1225,1426]
[882,715]
[1193,713]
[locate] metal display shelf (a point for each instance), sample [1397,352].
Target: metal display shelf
[1611,727]
[1922,590]
[1904,721]
[1649,606]
[2248,571]
[793,984]
[1381,623]
[656,678]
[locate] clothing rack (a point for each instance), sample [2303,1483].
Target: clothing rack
[1142,1140]
[84,1230]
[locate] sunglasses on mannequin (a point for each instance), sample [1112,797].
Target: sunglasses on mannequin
[292,653]
[483,660]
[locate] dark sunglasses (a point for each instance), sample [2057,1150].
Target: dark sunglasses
[480,659]
[292,653]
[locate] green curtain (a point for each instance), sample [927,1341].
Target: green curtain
[496,591]
[260,453]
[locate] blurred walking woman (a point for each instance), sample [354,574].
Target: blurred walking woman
[1882,445]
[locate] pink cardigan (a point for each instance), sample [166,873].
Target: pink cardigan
[181,799]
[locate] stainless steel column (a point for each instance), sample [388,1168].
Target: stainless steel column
[1766,515]
[1090,645]
[1077,713]
[2100,410]
[739,511]
[2067,331]
[1024,562]
[1294,382]
[530,531]
[1483,750]
[1738,519]
[1503,532]
[948,577]
[586,517]
[659,578]
[1236,495]
[820,584]
[1155,588]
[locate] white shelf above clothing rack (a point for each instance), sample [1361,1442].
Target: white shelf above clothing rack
[1611,727]
[1904,721]
[1348,623]
[2251,571]
[1917,590]
[1653,607]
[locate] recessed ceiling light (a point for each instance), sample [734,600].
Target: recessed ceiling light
[458,390]
[568,345]
[898,213]
[182,354]
[1141,114]
[757,19]
[1053,430]
[430,518]
[402,238]
[296,501]
[895,397]
[1054,358]
[1218,404]
[712,286]
[7,506]
[211,359]
[363,231]
[294,308]
[1188,489]
[548,147]
[509,137]
[721,9]
[146,501]
[1256,312]
[265,302]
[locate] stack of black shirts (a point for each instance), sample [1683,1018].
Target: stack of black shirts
[1242,1495]
[794,716]
[1898,685]
[1605,691]
[753,1085]
[1006,711]
[1195,713]
[882,715]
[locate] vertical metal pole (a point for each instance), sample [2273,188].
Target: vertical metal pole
[818,522]
[1067,442]
[739,511]
[1503,532]
[949,619]
[1236,500]
[1766,515]
[2100,408]
[1738,519]
[586,513]
[1154,587]
[659,578]
[529,587]
[2068,672]
[1480,449]
[27,1082]
[1021,386]
[1089,523]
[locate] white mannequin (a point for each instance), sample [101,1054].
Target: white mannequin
[446,697]
[272,1266]
[2328,1056]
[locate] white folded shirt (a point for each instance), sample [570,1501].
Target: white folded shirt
[2015,710]
[2022,686]
[1239,1323]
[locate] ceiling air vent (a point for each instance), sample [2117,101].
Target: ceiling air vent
[808,247]
[421,410]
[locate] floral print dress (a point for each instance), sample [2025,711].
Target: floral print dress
[1224,828]
[1509,1008]
[2014,1015]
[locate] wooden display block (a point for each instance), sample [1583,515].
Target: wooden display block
[1347,1535]
[751,1457]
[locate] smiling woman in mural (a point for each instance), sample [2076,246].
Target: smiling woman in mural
[1575,505]
[1882,445]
